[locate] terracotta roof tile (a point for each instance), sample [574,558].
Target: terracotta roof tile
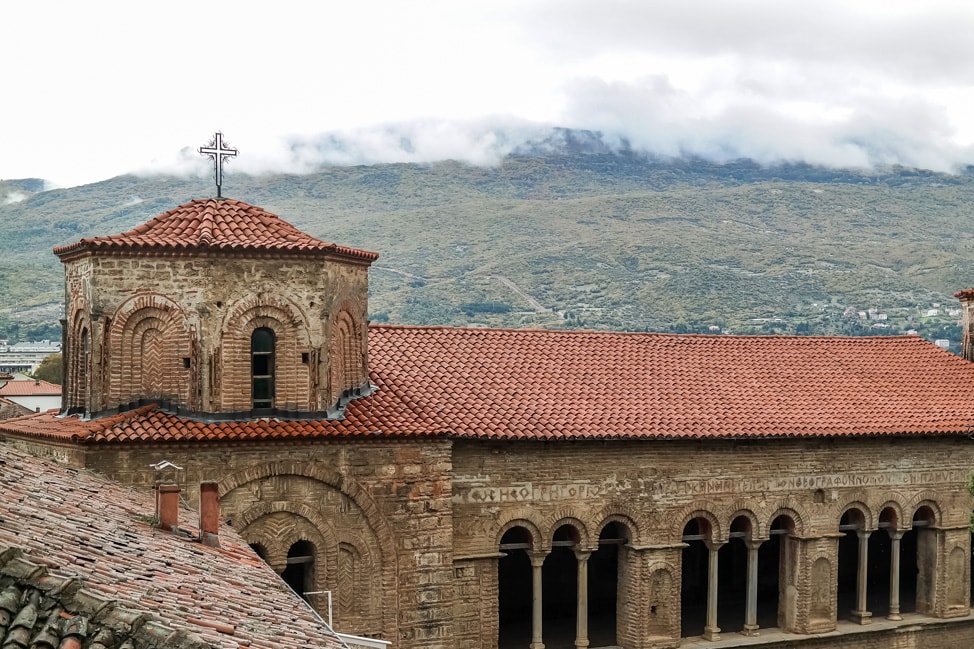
[526,384]
[77,558]
[29,388]
[220,224]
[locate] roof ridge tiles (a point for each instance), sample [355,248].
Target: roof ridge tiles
[217,225]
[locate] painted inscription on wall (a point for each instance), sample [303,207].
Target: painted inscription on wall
[583,490]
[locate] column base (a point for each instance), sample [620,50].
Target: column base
[862,617]
[581,644]
[750,630]
[896,617]
[536,645]
[711,633]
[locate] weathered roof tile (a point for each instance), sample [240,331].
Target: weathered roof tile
[532,384]
[215,224]
[78,560]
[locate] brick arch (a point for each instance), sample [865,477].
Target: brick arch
[567,516]
[292,377]
[78,365]
[925,499]
[147,339]
[893,502]
[282,538]
[867,513]
[521,517]
[347,350]
[696,509]
[793,511]
[332,478]
[382,558]
[742,511]
[619,514]
[362,577]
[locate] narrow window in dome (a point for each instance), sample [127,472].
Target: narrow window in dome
[262,368]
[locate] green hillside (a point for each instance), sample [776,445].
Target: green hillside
[581,240]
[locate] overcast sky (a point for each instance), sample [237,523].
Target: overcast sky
[90,90]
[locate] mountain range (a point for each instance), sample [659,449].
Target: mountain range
[571,233]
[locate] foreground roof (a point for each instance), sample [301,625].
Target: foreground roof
[79,559]
[220,224]
[530,384]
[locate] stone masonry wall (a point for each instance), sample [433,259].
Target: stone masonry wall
[655,488]
[193,318]
[378,514]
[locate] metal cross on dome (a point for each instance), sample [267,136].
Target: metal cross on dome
[217,151]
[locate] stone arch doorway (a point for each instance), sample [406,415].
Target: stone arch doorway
[515,589]
[606,573]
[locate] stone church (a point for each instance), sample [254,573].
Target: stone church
[450,488]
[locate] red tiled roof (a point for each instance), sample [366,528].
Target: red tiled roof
[220,224]
[525,384]
[966,294]
[82,540]
[32,388]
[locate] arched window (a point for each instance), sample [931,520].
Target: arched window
[262,368]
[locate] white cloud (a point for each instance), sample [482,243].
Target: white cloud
[106,87]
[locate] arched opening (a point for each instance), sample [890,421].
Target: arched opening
[880,569]
[777,587]
[732,576]
[300,571]
[514,589]
[694,576]
[605,574]
[559,576]
[852,525]
[262,368]
[260,550]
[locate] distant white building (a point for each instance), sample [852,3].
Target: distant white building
[26,357]
[942,343]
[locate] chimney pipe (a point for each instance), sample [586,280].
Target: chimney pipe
[210,514]
[167,506]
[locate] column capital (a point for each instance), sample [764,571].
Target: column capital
[537,557]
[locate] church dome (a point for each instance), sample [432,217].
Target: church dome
[214,224]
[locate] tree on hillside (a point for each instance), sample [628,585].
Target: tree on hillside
[50,370]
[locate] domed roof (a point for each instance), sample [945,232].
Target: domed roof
[214,224]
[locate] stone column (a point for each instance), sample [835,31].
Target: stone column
[581,621]
[894,574]
[537,560]
[751,617]
[711,631]
[860,614]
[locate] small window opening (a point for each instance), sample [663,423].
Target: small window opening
[305,357]
[186,363]
[262,368]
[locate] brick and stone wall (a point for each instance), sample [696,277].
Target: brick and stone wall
[377,513]
[407,534]
[179,329]
[655,488]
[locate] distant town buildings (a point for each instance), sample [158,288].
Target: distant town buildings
[26,357]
